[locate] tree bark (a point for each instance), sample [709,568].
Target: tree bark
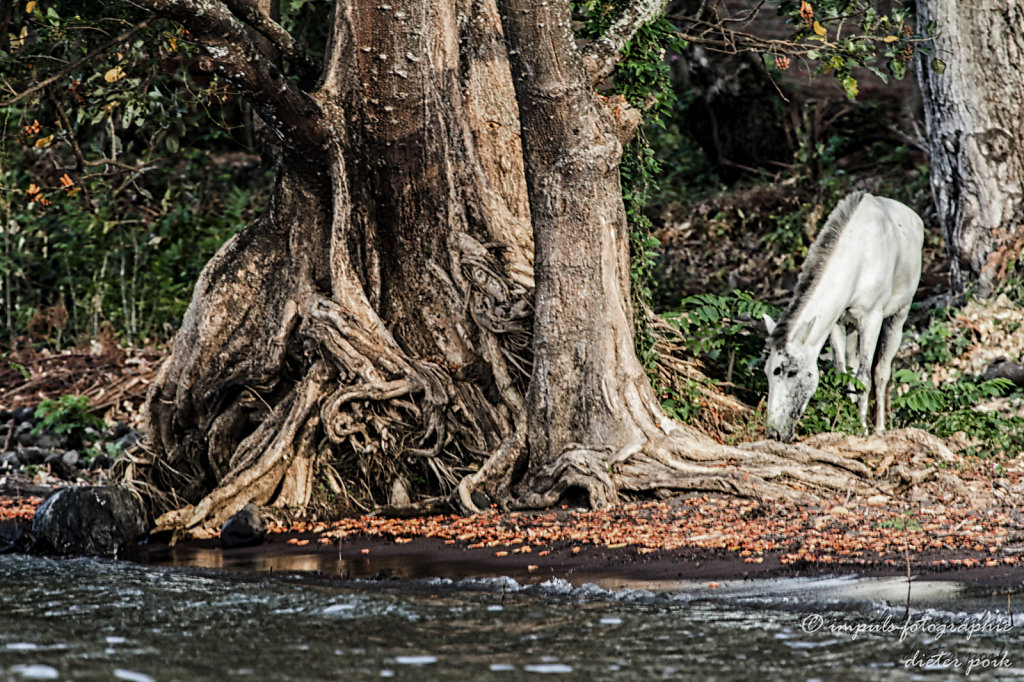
[975,126]
[369,334]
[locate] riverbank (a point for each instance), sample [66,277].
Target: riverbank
[696,538]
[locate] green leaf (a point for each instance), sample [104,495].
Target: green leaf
[938,66]
[850,85]
[897,68]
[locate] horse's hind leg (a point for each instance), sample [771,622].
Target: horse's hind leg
[888,343]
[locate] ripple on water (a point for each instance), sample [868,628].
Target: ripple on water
[35,671]
[416,660]
[548,668]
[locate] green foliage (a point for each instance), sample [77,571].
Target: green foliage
[717,328]
[848,35]
[905,521]
[112,451]
[109,205]
[66,415]
[921,397]
[947,409]
[831,407]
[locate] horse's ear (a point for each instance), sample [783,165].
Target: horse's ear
[769,323]
[804,332]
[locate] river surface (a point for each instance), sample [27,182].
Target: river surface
[96,619]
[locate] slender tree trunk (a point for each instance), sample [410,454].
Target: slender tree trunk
[975,124]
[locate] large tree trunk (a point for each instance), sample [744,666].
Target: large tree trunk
[372,339]
[975,124]
[371,329]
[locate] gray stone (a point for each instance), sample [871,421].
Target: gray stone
[100,521]
[127,440]
[10,460]
[50,442]
[245,529]
[71,459]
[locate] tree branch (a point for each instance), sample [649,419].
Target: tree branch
[305,68]
[63,73]
[294,116]
[601,56]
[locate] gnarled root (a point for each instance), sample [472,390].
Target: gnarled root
[658,456]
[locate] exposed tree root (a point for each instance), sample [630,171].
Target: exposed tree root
[364,406]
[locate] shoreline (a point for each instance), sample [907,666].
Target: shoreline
[694,539]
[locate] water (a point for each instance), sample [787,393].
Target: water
[98,619]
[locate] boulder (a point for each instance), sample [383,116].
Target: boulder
[10,460]
[245,529]
[100,521]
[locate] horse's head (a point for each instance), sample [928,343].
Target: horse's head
[792,380]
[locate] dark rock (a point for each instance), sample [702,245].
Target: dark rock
[55,460]
[1005,369]
[480,499]
[119,430]
[245,529]
[24,414]
[32,455]
[5,415]
[100,521]
[10,460]
[63,464]
[27,438]
[100,462]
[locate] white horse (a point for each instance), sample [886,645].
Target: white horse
[856,287]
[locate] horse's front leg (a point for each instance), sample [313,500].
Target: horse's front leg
[837,337]
[888,344]
[870,327]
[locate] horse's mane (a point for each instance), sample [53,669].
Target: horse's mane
[817,256]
